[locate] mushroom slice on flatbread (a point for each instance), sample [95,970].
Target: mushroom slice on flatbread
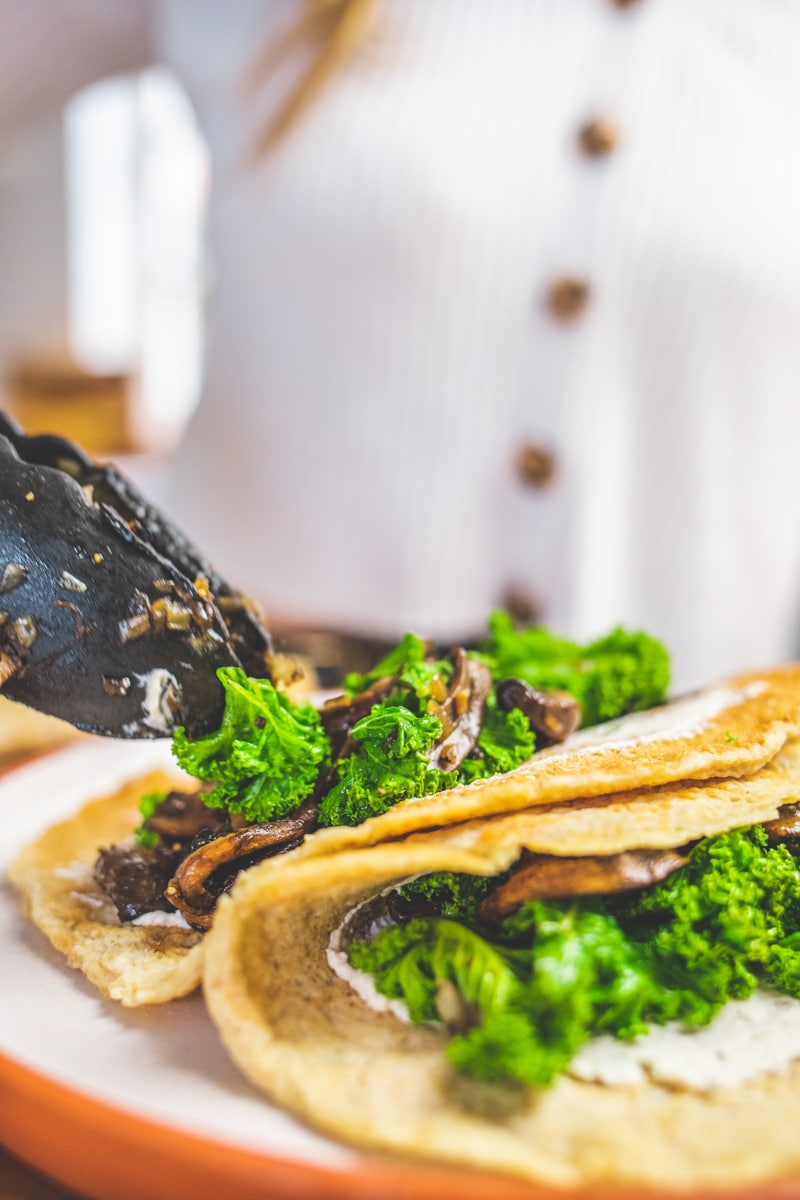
[133,963]
[728,730]
[301,1032]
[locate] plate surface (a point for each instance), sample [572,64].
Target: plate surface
[138,1103]
[151,1092]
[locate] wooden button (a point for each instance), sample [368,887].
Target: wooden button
[522,605]
[536,465]
[597,138]
[624,3]
[567,297]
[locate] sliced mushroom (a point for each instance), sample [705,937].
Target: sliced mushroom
[460,711]
[553,714]
[193,888]
[786,826]
[545,877]
[134,877]
[181,815]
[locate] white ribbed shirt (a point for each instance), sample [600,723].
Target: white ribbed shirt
[380,346]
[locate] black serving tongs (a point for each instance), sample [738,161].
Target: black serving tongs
[109,617]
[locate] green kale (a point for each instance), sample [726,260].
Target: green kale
[727,920]
[555,973]
[267,755]
[620,673]
[408,654]
[537,998]
[390,763]
[506,740]
[147,806]
[391,756]
[448,895]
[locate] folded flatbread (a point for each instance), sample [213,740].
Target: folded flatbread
[725,731]
[135,964]
[729,730]
[303,1034]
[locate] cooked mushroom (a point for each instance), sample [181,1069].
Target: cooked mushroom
[181,815]
[544,877]
[202,876]
[460,711]
[134,877]
[786,826]
[553,714]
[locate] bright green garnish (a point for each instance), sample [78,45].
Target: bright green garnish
[620,673]
[391,761]
[270,754]
[554,974]
[267,754]
[406,659]
[147,806]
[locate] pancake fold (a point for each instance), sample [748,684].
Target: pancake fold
[627,771]
[299,1031]
[134,964]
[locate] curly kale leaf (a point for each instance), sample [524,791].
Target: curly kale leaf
[622,672]
[536,1004]
[147,806]
[267,755]
[447,894]
[555,973]
[407,659]
[390,763]
[727,920]
[506,741]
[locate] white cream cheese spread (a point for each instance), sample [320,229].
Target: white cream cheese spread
[162,917]
[680,719]
[747,1039]
[87,892]
[361,983]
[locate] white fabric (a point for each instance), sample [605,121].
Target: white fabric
[379,346]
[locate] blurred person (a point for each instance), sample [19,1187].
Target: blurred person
[506,305]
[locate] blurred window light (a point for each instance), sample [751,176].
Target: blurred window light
[136,182]
[101,135]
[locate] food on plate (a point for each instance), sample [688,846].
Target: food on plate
[599,990]
[148,961]
[420,723]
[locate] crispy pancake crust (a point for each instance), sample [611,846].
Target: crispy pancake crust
[654,819]
[299,1032]
[130,963]
[755,715]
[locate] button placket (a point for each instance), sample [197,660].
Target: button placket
[565,300]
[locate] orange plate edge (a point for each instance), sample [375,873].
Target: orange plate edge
[103,1151]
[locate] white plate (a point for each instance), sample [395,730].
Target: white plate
[164,1062]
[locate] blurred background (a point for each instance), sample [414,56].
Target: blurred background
[409,309]
[102,210]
